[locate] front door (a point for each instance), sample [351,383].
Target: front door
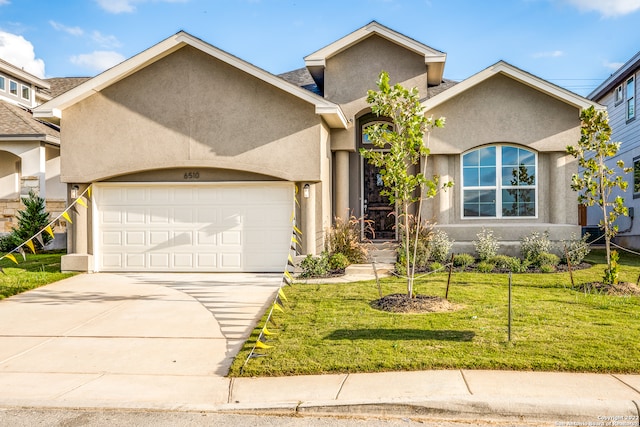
[377,210]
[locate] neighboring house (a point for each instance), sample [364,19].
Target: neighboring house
[29,148]
[618,94]
[194,154]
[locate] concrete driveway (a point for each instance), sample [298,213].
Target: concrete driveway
[95,339]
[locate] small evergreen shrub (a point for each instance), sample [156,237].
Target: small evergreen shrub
[338,261]
[32,219]
[576,249]
[533,245]
[315,266]
[440,245]
[344,238]
[509,263]
[485,267]
[546,258]
[486,245]
[463,260]
[435,266]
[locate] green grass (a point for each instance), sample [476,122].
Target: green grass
[36,271]
[331,328]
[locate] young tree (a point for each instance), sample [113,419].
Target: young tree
[32,219]
[596,181]
[404,143]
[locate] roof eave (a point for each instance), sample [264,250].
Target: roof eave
[617,78]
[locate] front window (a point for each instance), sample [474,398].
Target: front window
[499,182]
[618,95]
[2,83]
[13,88]
[631,99]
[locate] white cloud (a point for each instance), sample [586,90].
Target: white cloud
[128,6]
[107,42]
[4,2]
[98,60]
[19,52]
[74,31]
[608,8]
[551,54]
[613,65]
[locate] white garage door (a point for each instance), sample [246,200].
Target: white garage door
[174,227]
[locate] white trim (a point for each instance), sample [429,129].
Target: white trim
[330,111]
[499,186]
[508,70]
[3,88]
[28,88]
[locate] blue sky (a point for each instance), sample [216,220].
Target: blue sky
[573,43]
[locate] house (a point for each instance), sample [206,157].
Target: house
[194,155]
[29,148]
[618,94]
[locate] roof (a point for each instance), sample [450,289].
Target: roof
[523,77]
[433,58]
[60,85]
[616,78]
[52,110]
[301,78]
[17,122]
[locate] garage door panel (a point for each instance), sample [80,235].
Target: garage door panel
[216,227]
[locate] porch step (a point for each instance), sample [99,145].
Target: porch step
[383,253]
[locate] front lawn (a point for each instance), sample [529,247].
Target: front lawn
[37,270]
[331,328]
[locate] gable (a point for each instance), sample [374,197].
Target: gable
[189,108]
[353,71]
[502,109]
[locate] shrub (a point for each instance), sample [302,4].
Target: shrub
[9,242]
[547,268]
[546,258]
[344,238]
[509,263]
[533,245]
[576,249]
[440,246]
[317,266]
[487,245]
[485,267]
[31,220]
[463,260]
[435,266]
[338,261]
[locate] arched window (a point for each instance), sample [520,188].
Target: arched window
[499,181]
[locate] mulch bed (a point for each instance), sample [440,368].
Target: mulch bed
[401,303]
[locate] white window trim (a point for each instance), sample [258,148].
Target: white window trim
[4,88]
[17,87]
[629,98]
[498,187]
[22,88]
[618,95]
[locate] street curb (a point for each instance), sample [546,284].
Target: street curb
[594,411]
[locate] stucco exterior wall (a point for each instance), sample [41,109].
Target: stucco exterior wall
[190,110]
[501,109]
[352,72]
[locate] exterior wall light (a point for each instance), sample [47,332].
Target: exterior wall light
[305,191]
[74,192]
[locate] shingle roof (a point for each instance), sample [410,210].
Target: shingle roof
[301,78]
[15,120]
[60,85]
[435,90]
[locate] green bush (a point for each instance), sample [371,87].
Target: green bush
[576,249]
[440,245]
[338,261]
[9,242]
[512,264]
[463,260]
[31,220]
[435,266]
[486,245]
[546,258]
[315,266]
[422,257]
[547,268]
[533,245]
[344,238]
[485,267]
